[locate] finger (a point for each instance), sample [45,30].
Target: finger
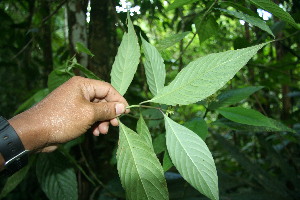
[96,131]
[104,111]
[114,122]
[49,149]
[103,127]
[103,90]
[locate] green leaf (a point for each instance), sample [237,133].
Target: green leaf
[245,116]
[255,21]
[14,180]
[233,96]
[278,126]
[275,10]
[241,8]
[198,126]
[204,76]
[192,158]
[206,28]
[167,162]
[86,72]
[170,41]
[139,169]
[56,177]
[57,78]
[179,3]
[159,143]
[252,117]
[37,97]
[154,67]
[126,61]
[81,48]
[143,131]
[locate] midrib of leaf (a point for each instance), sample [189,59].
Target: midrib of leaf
[132,154]
[126,60]
[191,160]
[195,78]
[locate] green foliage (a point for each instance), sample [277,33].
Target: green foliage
[275,10]
[248,117]
[179,3]
[206,28]
[154,67]
[56,177]
[139,169]
[204,76]
[37,97]
[13,181]
[126,61]
[192,158]
[82,48]
[198,126]
[251,20]
[232,97]
[170,41]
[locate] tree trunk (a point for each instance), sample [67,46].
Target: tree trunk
[46,43]
[101,38]
[77,28]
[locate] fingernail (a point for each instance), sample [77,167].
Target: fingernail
[120,108]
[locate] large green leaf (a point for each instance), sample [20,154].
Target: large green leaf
[170,41]
[206,28]
[179,3]
[252,117]
[139,169]
[143,131]
[275,10]
[233,96]
[204,76]
[245,116]
[56,177]
[154,67]
[255,21]
[126,61]
[192,158]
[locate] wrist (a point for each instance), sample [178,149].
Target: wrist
[13,155]
[28,132]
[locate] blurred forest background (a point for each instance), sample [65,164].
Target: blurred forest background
[39,36]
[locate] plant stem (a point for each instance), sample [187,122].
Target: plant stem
[142,106]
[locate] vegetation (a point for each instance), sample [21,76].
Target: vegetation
[192,71]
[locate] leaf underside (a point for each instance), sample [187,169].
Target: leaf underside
[154,68]
[204,76]
[139,169]
[192,158]
[126,61]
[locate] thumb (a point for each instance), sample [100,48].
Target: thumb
[104,111]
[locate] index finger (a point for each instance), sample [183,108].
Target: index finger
[103,90]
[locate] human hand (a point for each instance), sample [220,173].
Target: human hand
[68,112]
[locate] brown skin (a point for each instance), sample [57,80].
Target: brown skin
[68,112]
